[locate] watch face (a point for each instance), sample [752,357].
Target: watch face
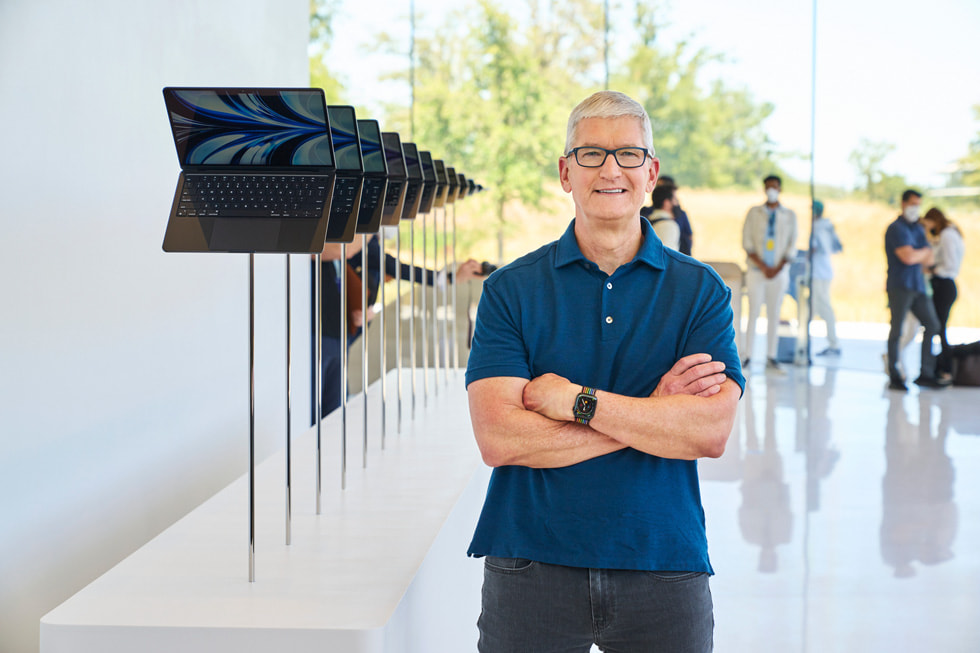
[585,405]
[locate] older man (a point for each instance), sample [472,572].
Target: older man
[603,366]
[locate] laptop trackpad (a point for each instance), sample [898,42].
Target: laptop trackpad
[244,235]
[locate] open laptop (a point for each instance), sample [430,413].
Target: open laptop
[394,202]
[257,170]
[416,181]
[453,185]
[346,200]
[463,186]
[429,177]
[375,177]
[442,183]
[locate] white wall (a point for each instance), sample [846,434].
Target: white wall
[123,370]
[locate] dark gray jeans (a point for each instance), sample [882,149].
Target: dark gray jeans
[532,607]
[902,302]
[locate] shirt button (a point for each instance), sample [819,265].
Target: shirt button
[609,319]
[609,286]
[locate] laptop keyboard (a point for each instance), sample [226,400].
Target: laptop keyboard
[344,196]
[259,196]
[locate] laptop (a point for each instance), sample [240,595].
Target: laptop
[429,177]
[394,203]
[375,177]
[346,199]
[442,183]
[453,185]
[416,182]
[463,186]
[257,170]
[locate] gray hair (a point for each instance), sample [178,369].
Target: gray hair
[609,104]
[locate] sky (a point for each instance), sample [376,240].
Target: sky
[904,72]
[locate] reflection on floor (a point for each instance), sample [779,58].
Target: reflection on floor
[844,516]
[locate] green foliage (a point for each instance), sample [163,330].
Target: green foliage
[321,34]
[969,173]
[867,159]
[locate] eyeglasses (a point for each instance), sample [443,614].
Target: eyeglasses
[595,157]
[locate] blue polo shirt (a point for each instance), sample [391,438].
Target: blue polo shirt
[553,310]
[902,276]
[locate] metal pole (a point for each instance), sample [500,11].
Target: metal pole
[411,325]
[436,346]
[318,276]
[445,293]
[364,349]
[289,412]
[455,307]
[398,318]
[343,366]
[384,352]
[251,417]
[813,216]
[425,320]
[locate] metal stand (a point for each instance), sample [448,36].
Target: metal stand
[318,276]
[425,321]
[364,348]
[455,314]
[289,413]
[251,417]
[384,353]
[343,367]
[436,347]
[445,294]
[398,319]
[411,325]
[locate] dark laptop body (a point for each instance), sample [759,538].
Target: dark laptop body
[394,202]
[442,183]
[429,177]
[453,185]
[416,182]
[375,177]
[346,199]
[463,187]
[257,170]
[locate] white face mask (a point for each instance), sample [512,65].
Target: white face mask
[772,194]
[911,213]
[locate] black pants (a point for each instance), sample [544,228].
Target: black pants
[943,296]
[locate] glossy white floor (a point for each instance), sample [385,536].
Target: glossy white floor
[844,516]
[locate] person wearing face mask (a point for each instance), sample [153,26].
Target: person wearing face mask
[769,240]
[908,253]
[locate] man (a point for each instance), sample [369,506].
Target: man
[686,242]
[907,251]
[593,529]
[769,240]
[823,244]
[662,218]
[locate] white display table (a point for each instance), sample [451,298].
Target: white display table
[382,568]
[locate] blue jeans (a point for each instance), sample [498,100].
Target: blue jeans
[533,607]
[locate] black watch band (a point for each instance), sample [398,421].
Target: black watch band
[585,404]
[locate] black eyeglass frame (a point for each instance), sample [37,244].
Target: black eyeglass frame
[575,150]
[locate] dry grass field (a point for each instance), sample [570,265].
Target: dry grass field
[716,217]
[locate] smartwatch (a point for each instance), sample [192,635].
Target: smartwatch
[585,403]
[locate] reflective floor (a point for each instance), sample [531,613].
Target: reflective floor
[844,516]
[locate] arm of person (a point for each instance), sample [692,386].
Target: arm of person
[911,256]
[511,429]
[684,426]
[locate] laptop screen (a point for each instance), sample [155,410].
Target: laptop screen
[251,128]
[412,162]
[346,145]
[374,156]
[428,169]
[394,155]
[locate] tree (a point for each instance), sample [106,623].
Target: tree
[969,165]
[321,34]
[867,158]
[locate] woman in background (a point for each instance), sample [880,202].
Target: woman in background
[948,241]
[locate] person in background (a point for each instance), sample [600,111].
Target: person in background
[662,218]
[769,240]
[823,244]
[686,241]
[948,258]
[908,253]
